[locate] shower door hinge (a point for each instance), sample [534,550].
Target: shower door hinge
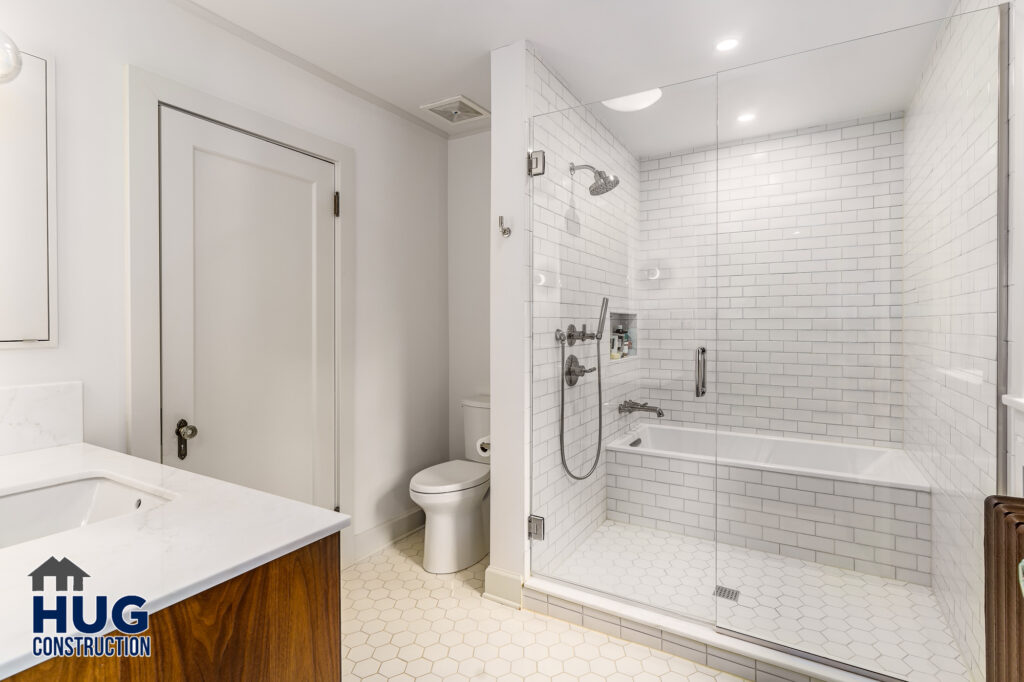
[535,527]
[337,204]
[535,163]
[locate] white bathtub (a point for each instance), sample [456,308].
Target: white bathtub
[854,507]
[838,461]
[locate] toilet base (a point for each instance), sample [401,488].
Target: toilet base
[455,535]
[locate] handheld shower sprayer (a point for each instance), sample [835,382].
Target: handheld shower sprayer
[571,373]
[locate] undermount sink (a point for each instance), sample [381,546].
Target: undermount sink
[53,508]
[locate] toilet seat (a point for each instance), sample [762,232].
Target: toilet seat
[451,476]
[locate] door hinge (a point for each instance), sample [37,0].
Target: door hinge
[337,204]
[535,163]
[535,527]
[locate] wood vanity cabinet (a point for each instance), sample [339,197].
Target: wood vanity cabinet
[279,621]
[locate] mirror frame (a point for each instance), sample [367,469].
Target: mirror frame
[51,209]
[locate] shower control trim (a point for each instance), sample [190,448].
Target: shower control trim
[574,370]
[571,335]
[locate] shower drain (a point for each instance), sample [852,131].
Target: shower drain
[727,593]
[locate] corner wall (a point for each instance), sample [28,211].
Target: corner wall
[509,327]
[950,309]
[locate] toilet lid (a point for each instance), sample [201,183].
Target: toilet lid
[448,477]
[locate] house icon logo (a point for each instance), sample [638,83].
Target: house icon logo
[60,571]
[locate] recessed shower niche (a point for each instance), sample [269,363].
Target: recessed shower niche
[622,339]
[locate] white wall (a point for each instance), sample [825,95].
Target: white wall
[469,267]
[401,327]
[950,309]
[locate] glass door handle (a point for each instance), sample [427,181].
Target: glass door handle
[700,362]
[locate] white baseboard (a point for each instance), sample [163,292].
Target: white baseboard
[377,538]
[503,587]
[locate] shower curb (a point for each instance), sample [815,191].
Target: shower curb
[718,651]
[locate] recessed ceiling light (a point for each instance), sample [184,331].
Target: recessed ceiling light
[727,44]
[634,102]
[747,117]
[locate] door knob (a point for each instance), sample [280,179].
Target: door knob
[185,432]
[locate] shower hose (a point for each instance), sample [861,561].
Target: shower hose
[561,415]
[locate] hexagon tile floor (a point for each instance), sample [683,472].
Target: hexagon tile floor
[879,624]
[401,623]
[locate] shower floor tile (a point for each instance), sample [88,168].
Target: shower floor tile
[879,624]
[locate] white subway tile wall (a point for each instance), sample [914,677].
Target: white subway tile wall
[581,247]
[950,308]
[875,529]
[792,242]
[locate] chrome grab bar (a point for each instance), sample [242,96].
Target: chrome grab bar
[700,372]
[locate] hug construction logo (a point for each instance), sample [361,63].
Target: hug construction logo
[126,614]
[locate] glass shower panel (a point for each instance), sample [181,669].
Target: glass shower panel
[640,527]
[856,309]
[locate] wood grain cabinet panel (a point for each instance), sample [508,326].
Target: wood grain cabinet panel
[279,621]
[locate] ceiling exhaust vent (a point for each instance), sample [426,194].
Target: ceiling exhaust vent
[457,109]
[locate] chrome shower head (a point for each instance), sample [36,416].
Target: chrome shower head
[602,181]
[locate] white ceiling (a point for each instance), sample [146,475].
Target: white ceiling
[875,75]
[413,52]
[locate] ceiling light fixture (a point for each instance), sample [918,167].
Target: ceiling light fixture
[747,117]
[634,102]
[10,59]
[727,44]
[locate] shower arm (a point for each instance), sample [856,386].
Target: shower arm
[582,166]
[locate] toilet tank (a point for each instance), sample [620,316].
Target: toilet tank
[476,424]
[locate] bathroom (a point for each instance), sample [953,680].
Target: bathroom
[710,380]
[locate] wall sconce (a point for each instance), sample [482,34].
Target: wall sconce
[10,59]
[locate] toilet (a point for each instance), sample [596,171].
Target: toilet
[453,495]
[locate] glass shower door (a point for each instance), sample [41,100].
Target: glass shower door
[856,234]
[640,528]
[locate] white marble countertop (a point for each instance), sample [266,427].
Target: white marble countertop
[210,532]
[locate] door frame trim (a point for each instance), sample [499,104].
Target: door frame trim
[145,92]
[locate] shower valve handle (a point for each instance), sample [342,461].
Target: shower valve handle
[574,370]
[580,370]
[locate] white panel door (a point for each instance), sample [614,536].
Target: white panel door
[247,309]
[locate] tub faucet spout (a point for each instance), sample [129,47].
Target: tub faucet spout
[631,406]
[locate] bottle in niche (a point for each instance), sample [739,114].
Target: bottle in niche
[627,344]
[616,343]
